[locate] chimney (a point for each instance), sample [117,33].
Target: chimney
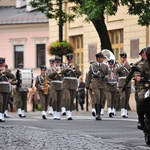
[20,3]
[29,8]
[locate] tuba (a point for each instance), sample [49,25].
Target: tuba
[108,54]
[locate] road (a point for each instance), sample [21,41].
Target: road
[83,132]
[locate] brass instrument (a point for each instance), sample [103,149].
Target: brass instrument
[46,86]
[108,55]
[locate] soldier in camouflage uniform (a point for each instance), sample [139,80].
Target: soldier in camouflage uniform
[144,67]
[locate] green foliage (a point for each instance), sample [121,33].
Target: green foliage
[60,48]
[93,9]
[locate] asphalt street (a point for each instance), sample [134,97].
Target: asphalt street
[82,133]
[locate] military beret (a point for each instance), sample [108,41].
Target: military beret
[58,59]
[20,65]
[69,56]
[111,62]
[142,50]
[100,55]
[2,60]
[52,60]
[123,55]
[43,68]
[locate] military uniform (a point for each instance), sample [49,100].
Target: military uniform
[99,72]
[42,84]
[123,70]
[5,88]
[88,81]
[49,71]
[56,83]
[111,90]
[70,73]
[20,97]
[141,89]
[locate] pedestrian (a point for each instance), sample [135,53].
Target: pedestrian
[81,93]
[70,73]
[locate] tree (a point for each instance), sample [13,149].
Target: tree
[95,11]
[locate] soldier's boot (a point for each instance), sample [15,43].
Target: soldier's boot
[69,117]
[6,114]
[114,111]
[63,109]
[140,125]
[93,112]
[110,112]
[102,111]
[50,112]
[44,114]
[98,111]
[58,115]
[126,113]
[19,112]
[54,115]
[23,113]
[2,117]
[123,115]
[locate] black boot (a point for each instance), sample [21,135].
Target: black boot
[140,125]
[98,111]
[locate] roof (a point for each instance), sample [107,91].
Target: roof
[13,15]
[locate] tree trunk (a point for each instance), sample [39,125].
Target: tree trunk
[101,29]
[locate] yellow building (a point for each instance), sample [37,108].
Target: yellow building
[125,35]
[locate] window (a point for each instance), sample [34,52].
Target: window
[19,50]
[40,51]
[78,52]
[117,40]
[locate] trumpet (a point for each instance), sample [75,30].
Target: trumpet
[72,67]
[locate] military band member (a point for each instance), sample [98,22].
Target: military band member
[70,73]
[20,96]
[99,72]
[42,84]
[111,89]
[123,70]
[49,71]
[56,83]
[5,87]
[88,80]
[6,111]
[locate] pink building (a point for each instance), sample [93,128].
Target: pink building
[23,35]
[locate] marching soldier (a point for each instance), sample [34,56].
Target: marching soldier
[88,80]
[100,71]
[49,71]
[20,96]
[56,83]
[43,87]
[9,95]
[70,73]
[123,70]
[5,87]
[111,89]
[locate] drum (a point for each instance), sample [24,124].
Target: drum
[25,78]
[5,87]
